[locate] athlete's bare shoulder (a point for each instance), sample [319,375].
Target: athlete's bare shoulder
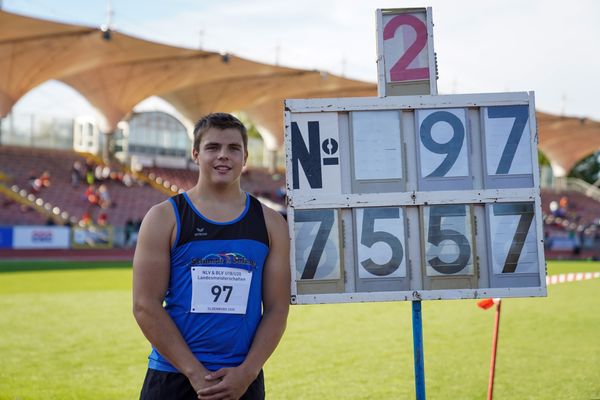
[160,219]
[276,224]
[160,211]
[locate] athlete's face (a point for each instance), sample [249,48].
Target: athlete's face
[221,155]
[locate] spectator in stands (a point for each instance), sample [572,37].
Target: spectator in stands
[115,176]
[34,182]
[129,227]
[127,180]
[98,173]
[91,195]
[563,206]
[89,171]
[563,202]
[556,210]
[102,219]
[106,173]
[104,199]
[45,179]
[280,193]
[86,220]
[76,174]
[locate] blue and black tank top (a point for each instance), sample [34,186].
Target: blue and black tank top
[217,339]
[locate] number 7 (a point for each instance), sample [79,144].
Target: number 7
[521,115]
[227,289]
[326,218]
[518,241]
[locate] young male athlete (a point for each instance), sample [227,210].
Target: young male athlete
[211,278]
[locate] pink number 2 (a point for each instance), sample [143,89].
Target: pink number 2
[400,71]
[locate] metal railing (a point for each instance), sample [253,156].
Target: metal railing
[577,185]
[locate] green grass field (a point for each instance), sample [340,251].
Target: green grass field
[68,333]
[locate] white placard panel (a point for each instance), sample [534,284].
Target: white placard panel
[317,246]
[507,140]
[442,137]
[405,47]
[380,243]
[449,240]
[315,153]
[377,146]
[513,238]
[452,211]
[405,55]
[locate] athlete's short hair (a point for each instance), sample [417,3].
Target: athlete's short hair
[220,121]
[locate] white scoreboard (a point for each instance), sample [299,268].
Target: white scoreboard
[414,198]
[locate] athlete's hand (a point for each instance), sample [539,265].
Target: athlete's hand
[199,382]
[231,384]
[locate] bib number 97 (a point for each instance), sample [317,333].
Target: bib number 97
[217,290]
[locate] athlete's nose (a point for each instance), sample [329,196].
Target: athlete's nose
[223,154]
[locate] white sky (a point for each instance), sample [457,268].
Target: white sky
[551,46]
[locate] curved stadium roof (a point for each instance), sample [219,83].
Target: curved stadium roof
[114,72]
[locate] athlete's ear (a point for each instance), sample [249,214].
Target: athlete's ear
[195,156]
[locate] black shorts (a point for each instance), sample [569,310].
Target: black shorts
[160,385]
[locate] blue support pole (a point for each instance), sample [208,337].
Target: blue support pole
[417,323]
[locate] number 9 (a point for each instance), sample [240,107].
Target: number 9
[451,148]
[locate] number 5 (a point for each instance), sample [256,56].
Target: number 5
[370,236]
[437,235]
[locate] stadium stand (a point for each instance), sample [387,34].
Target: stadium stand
[580,209]
[571,224]
[571,218]
[257,181]
[14,213]
[183,179]
[20,165]
[17,163]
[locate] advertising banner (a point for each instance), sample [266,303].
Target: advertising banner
[41,237]
[92,237]
[6,234]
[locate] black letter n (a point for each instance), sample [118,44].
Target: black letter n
[310,159]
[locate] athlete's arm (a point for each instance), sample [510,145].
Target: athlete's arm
[276,300]
[151,270]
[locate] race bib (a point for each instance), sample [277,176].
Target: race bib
[220,290]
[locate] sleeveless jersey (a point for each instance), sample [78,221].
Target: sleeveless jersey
[211,248]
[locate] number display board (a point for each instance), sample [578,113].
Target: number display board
[405,56]
[414,198]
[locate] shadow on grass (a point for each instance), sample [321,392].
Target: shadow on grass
[29,265]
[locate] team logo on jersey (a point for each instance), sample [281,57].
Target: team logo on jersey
[235,260]
[200,232]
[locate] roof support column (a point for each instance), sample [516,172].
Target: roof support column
[106,146]
[271,161]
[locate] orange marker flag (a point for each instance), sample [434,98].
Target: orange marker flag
[487,303]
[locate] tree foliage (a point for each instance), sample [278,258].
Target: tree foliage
[587,169]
